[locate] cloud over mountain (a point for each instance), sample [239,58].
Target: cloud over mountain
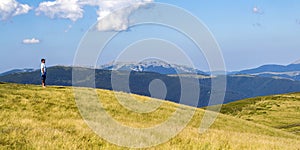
[10,8]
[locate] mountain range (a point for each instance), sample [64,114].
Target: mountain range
[16,71]
[152,65]
[291,71]
[238,86]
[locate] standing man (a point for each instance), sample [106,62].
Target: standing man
[43,72]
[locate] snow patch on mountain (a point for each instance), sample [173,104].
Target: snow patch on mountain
[152,66]
[296,62]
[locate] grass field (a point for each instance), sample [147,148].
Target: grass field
[35,118]
[277,111]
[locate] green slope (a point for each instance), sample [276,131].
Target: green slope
[277,111]
[35,118]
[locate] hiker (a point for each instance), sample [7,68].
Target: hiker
[43,72]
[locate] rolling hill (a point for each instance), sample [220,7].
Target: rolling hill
[238,86]
[277,111]
[35,118]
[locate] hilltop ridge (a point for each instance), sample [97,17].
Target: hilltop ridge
[277,111]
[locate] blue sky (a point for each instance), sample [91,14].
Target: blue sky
[250,33]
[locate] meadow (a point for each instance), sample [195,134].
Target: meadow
[277,111]
[35,118]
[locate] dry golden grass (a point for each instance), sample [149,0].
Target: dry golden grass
[36,118]
[277,111]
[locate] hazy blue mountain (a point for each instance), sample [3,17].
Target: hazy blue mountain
[291,71]
[296,62]
[151,66]
[238,86]
[16,71]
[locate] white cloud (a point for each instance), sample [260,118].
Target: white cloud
[110,18]
[73,10]
[257,10]
[10,8]
[68,28]
[68,9]
[31,41]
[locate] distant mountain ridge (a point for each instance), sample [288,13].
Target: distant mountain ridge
[296,62]
[261,81]
[238,86]
[291,71]
[151,65]
[17,71]
[156,66]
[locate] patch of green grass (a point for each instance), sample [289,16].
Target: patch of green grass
[277,111]
[35,118]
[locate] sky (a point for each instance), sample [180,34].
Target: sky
[249,33]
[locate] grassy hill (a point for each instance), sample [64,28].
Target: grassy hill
[35,118]
[277,111]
